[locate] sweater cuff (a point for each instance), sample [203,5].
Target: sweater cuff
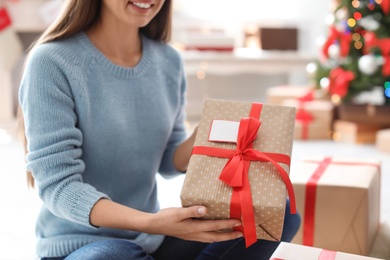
[84,204]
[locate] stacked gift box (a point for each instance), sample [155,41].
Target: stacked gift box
[314,115]
[362,123]
[383,140]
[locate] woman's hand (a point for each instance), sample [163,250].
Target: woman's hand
[176,222]
[181,223]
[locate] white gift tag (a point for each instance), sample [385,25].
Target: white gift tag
[224,131]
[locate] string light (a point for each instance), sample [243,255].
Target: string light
[356,36]
[355,3]
[357,15]
[358,45]
[387,89]
[351,22]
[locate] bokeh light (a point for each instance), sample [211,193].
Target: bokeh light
[387,92]
[358,45]
[387,85]
[357,15]
[355,3]
[356,37]
[351,22]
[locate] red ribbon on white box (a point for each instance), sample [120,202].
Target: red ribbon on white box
[303,116]
[325,255]
[5,20]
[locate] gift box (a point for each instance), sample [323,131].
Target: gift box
[338,200]
[366,114]
[277,94]
[382,141]
[313,118]
[289,251]
[242,172]
[354,132]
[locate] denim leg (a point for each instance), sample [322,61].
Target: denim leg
[262,249]
[112,249]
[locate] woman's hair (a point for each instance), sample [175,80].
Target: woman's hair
[80,15]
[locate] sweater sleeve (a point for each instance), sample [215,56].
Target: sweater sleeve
[178,135]
[54,141]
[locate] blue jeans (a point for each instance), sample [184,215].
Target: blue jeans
[177,249]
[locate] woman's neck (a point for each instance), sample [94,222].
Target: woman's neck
[121,45]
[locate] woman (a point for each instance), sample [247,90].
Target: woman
[103,99]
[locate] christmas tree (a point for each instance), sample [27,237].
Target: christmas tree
[355,56]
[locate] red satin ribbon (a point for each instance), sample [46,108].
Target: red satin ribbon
[385,4]
[339,81]
[311,192]
[386,66]
[303,116]
[235,172]
[5,20]
[344,39]
[327,255]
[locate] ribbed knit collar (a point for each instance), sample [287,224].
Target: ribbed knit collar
[117,70]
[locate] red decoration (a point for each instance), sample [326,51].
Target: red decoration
[344,39]
[385,4]
[371,41]
[235,172]
[386,66]
[310,197]
[357,15]
[5,20]
[339,81]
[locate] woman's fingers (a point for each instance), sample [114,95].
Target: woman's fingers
[216,225]
[185,223]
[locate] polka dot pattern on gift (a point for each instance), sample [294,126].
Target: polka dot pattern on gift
[202,185]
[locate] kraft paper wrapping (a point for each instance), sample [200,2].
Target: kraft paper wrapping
[202,186]
[322,112]
[277,94]
[352,132]
[288,251]
[383,140]
[347,208]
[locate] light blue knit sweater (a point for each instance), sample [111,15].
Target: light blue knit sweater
[95,130]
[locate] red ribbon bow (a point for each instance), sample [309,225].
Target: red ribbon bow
[386,66]
[344,39]
[383,44]
[371,41]
[339,81]
[5,20]
[235,172]
[385,4]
